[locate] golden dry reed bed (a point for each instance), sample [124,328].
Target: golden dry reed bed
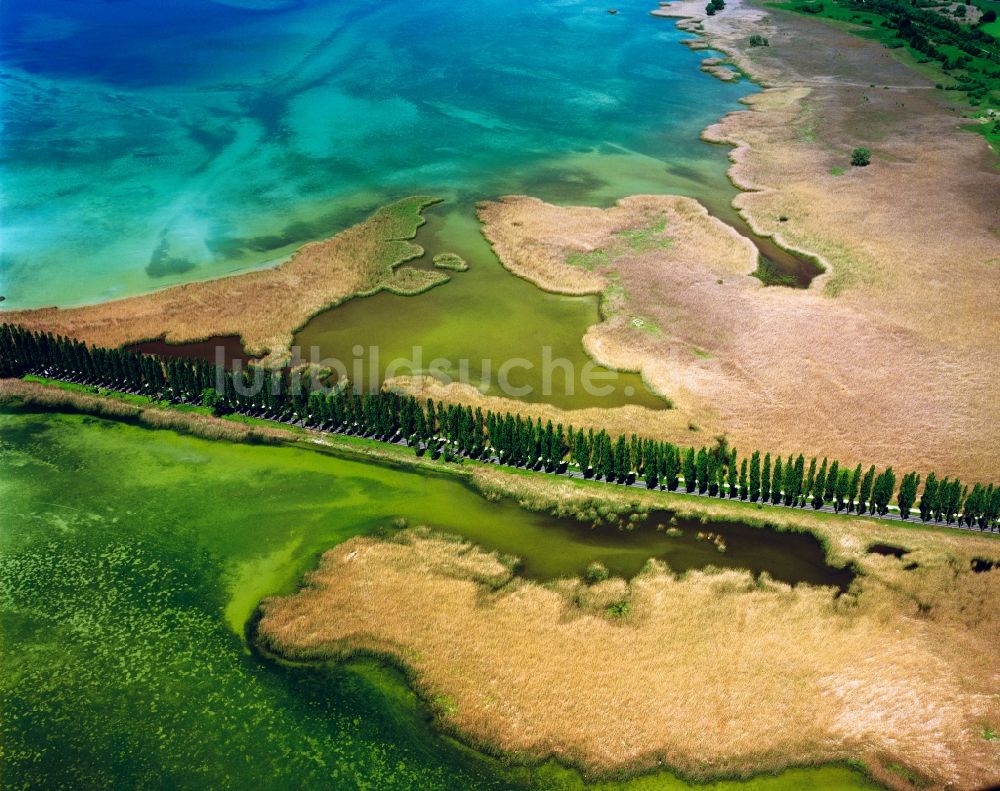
[774,368]
[890,357]
[893,352]
[710,673]
[266,306]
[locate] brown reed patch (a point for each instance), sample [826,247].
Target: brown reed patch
[910,244]
[774,368]
[266,306]
[657,424]
[711,673]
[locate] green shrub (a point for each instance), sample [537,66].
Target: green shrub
[861,157]
[596,572]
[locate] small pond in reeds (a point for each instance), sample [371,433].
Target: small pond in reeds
[564,547]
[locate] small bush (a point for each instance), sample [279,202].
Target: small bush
[757,40]
[596,572]
[861,157]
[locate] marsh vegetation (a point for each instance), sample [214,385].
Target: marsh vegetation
[594,664]
[123,600]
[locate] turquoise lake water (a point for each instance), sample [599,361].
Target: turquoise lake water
[149,143]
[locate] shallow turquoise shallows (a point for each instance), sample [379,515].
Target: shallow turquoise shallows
[130,560]
[148,143]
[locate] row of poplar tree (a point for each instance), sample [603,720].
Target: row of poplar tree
[452,430]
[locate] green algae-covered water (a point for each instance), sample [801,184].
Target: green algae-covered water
[129,561]
[150,143]
[475,326]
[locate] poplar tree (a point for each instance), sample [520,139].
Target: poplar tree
[581,453]
[992,507]
[776,481]
[866,489]
[788,481]
[940,501]
[765,479]
[596,453]
[974,505]
[929,499]
[744,489]
[951,500]
[732,475]
[793,477]
[702,470]
[608,467]
[885,484]
[852,491]
[754,481]
[549,452]
[798,480]
[623,462]
[689,470]
[671,467]
[810,480]
[831,481]
[907,493]
[841,489]
[982,512]
[819,487]
[654,458]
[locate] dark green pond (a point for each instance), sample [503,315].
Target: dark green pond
[480,321]
[564,547]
